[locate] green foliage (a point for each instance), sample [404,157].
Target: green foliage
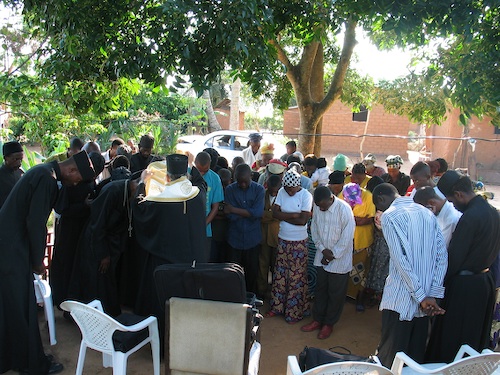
[271,123]
[31,158]
[413,96]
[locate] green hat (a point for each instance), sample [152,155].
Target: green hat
[340,163]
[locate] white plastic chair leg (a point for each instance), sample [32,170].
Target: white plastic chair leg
[155,350]
[81,358]
[49,316]
[107,360]
[119,363]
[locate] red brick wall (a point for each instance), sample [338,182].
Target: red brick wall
[338,120]
[458,153]
[223,118]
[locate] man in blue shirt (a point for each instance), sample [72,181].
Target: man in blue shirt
[244,206]
[215,195]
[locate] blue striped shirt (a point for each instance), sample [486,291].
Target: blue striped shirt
[418,258]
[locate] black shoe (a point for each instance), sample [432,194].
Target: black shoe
[55,368]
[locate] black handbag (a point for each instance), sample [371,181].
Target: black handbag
[313,357]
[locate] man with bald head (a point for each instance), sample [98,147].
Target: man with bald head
[23,237]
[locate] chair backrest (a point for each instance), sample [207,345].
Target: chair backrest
[207,337]
[485,363]
[350,368]
[97,328]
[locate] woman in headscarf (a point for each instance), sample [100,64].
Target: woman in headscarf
[292,206]
[364,210]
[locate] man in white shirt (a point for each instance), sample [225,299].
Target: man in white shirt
[252,152]
[332,231]
[447,215]
[418,262]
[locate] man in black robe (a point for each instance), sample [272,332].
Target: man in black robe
[23,237]
[170,227]
[10,171]
[73,209]
[104,241]
[143,158]
[470,290]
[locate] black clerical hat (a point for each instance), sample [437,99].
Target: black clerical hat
[177,164]
[84,166]
[11,148]
[447,180]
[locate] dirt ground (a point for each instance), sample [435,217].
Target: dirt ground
[357,331]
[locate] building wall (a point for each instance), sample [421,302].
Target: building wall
[223,118]
[460,154]
[338,120]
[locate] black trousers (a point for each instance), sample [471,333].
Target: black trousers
[249,260]
[330,292]
[402,336]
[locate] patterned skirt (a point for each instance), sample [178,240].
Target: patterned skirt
[360,267]
[289,290]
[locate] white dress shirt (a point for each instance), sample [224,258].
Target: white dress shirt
[418,258]
[448,219]
[334,229]
[249,157]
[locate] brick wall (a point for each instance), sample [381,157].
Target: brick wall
[458,153]
[338,120]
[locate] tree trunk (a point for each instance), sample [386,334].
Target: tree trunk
[318,93]
[213,124]
[234,114]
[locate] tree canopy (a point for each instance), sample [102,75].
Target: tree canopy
[263,41]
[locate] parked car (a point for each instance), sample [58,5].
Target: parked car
[228,143]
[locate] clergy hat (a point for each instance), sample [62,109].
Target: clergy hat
[11,148]
[177,164]
[147,141]
[336,178]
[84,165]
[447,180]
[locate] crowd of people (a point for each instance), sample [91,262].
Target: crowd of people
[422,247]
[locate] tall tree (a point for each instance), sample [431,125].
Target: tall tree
[104,39]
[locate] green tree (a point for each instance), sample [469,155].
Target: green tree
[103,40]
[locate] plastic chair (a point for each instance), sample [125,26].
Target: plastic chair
[341,368]
[43,294]
[210,337]
[483,363]
[116,339]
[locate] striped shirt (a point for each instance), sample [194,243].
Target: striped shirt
[333,229]
[418,258]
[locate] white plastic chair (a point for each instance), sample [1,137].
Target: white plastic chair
[476,363]
[115,340]
[341,368]
[43,294]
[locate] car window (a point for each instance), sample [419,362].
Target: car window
[222,141]
[240,143]
[209,142]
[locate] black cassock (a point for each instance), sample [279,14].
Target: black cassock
[23,233]
[74,213]
[168,232]
[106,234]
[8,178]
